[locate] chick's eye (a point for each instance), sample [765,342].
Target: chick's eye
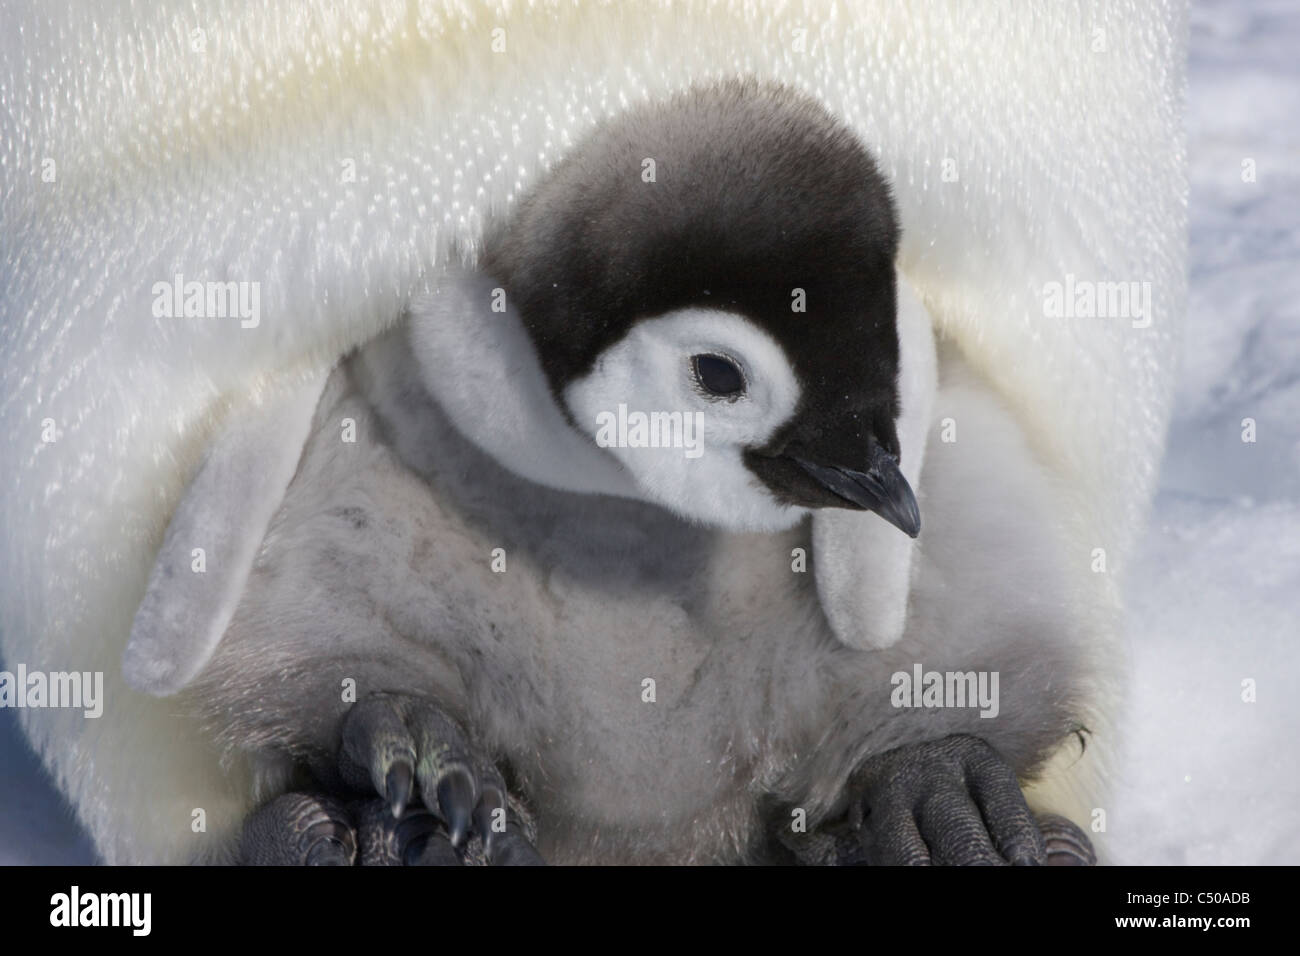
[717,375]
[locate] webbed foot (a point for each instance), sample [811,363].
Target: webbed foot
[433,799]
[955,801]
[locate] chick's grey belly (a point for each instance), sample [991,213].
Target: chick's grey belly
[630,668]
[650,684]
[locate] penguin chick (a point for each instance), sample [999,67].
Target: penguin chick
[749,280]
[606,653]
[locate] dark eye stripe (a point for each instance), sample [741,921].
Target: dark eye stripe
[717,375]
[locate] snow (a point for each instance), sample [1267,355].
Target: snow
[1214,594]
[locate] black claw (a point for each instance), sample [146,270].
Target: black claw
[483,825]
[328,852]
[397,787]
[491,800]
[1067,845]
[456,803]
[406,750]
[431,850]
[1023,859]
[418,842]
[332,844]
[296,829]
[513,849]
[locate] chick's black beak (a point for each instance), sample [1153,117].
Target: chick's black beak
[881,488]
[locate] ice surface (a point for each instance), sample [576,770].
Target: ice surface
[1215,593]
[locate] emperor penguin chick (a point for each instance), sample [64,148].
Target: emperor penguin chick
[743,269]
[561,563]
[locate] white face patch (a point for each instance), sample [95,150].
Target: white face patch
[643,402]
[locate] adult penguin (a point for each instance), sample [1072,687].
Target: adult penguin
[343,209]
